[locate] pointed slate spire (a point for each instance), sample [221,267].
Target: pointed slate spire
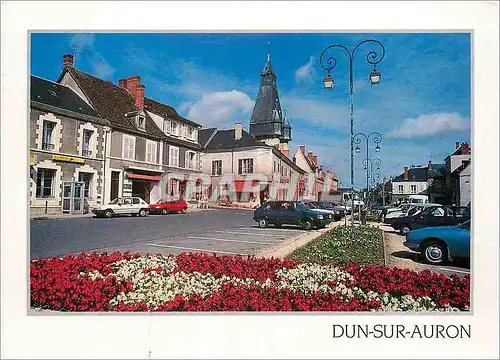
[267,118]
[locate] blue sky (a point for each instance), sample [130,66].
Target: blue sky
[422,106]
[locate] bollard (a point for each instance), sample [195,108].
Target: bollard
[46,202]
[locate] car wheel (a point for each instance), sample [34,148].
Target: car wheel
[108,213]
[164,211]
[263,223]
[307,224]
[183,211]
[434,252]
[142,213]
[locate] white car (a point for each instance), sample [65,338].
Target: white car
[123,206]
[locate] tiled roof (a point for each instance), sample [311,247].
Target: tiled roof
[166,111]
[59,96]
[224,139]
[414,174]
[437,170]
[205,134]
[112,102]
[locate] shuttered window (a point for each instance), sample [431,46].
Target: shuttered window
[151,151]
[128,147]
[173,156]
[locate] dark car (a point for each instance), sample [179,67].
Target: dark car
[433,216]
[338,211]
[280,213]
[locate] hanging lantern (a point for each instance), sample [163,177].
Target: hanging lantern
[375,77]
[328,82]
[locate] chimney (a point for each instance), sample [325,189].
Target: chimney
[315,160]
[465,149]
[310,155]
[67,60]
[406,173]
[123,83]
[429,164]
[131,84]
[139,96]
[238,131]
[286,152]
[457,145]
[302,149]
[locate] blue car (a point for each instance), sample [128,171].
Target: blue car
[297,213]
[440,244]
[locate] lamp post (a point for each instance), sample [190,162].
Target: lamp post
[328,63]
[377,138]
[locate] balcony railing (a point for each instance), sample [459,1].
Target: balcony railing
[86,152]
[47,146]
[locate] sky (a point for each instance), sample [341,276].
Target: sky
[421,107]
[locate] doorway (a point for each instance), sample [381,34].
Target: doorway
[141,189]
[72,198]
[115,185]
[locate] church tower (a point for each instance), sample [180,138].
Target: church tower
[268,123]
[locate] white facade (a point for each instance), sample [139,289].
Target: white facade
[407,188]
[465,186]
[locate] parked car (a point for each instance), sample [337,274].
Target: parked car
[314,206]
[392,213]
[338,211]
[433,216]
[280,213]
[440,244]
[123,206]
[164,207]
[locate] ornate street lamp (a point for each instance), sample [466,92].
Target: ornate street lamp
[328,63]
[377,138]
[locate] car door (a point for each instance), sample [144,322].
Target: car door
[289,214]
[434,217]
[137,204]
[273,211]
[126,207]
[460,215]
[463,240]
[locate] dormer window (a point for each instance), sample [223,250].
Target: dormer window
[140,122]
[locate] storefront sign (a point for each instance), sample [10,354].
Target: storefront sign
[33,159]
[70,159]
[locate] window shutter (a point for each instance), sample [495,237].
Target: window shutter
[240,163]
[198,166]
[126,141]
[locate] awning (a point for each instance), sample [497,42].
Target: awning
[240,185]
[144,177]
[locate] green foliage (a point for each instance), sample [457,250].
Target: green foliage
[364,247]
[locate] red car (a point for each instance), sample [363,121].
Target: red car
[167,206]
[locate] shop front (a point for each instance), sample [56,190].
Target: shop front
[142,183]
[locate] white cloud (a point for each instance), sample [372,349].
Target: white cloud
[82,40]
[221,109]
[306,72]
[429,124]
[101,68]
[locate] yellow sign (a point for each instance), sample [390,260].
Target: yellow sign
[33,159]
[68,159]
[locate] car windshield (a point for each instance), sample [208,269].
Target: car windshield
[114,202]
[311,206]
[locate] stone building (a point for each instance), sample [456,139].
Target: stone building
[66,150]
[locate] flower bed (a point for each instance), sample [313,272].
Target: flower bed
[365,248]
[199,282]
